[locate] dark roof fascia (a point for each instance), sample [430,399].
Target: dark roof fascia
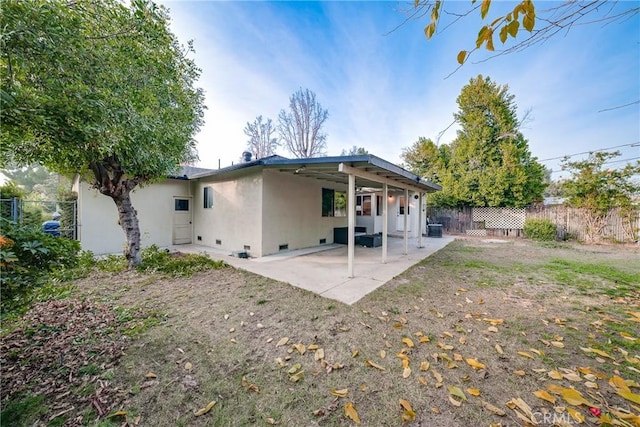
[275,161]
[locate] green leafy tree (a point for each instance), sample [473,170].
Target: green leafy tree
[538,24]
[99,88]
[354,151]
[489,163]
[301,127]
[598,190]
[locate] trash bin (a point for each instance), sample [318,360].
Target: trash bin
[435,230]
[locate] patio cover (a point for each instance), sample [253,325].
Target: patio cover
[369,170]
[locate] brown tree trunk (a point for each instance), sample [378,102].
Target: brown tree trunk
[129,222]
[111,181]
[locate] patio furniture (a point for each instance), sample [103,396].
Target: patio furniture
[369,240]
[340,234]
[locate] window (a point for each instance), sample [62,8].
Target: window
[208,197]
[181,205]
[366,205]
[334,203]
[378,205]
[363,205]
[402,203]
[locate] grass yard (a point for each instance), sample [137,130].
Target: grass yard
[479,334]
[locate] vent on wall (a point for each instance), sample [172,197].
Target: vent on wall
[247,247]
[323,241]
[218,242]
[199,238]
[283,247]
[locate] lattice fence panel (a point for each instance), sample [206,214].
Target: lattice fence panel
[512,218]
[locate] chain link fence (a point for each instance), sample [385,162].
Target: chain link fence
[35,213]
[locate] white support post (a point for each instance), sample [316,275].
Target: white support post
[385,220]
[406,221]
[420,221]
[351,214]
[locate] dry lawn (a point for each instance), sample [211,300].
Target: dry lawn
[464,338]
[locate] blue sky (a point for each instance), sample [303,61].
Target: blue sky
[385,86]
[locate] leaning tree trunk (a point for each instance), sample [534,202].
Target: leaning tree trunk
[111,181]
[129,222]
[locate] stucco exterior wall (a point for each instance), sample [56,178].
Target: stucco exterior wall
[98,227]
[235,219]
[292,212]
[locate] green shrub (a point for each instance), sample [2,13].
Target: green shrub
[27,257]
[176,264]
[540,229]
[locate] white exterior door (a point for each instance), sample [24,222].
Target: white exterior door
[402,204]
[182,220]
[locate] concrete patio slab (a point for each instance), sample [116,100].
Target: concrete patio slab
[323,269]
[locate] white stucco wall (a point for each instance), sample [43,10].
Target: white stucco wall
[292,212]
[235,218]
[98,227]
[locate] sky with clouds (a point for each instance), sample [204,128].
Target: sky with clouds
[384,85]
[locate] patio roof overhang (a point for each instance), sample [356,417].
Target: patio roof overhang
[370,170]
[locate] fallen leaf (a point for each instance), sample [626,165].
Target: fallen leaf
[618,383]
[374,365]
[474,363]
[408,342]
[340,393]
[520,373]
[406,372]
[251,387]
[355,353]
[544,395]
[383,354]
[494,322]
[294,368]
[525,354]
[423,380]
[205,409]
[300,347]
[295,378]
[456,391]
[188,366]
[424,339]
[499,349]
[350,412]
[424,366]
[271,421]
[574,397]
[282,341]
[408,414]
[555,375]
[557,344]
[632,397]
[524,407]
[576,415]
[596,351]
[492,329]
[150,375]
[454,402]
[488,406]
[473,391]
[319,354]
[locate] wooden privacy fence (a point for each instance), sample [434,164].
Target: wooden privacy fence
[509,222]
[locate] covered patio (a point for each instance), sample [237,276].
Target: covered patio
[321,269]
[365,171]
